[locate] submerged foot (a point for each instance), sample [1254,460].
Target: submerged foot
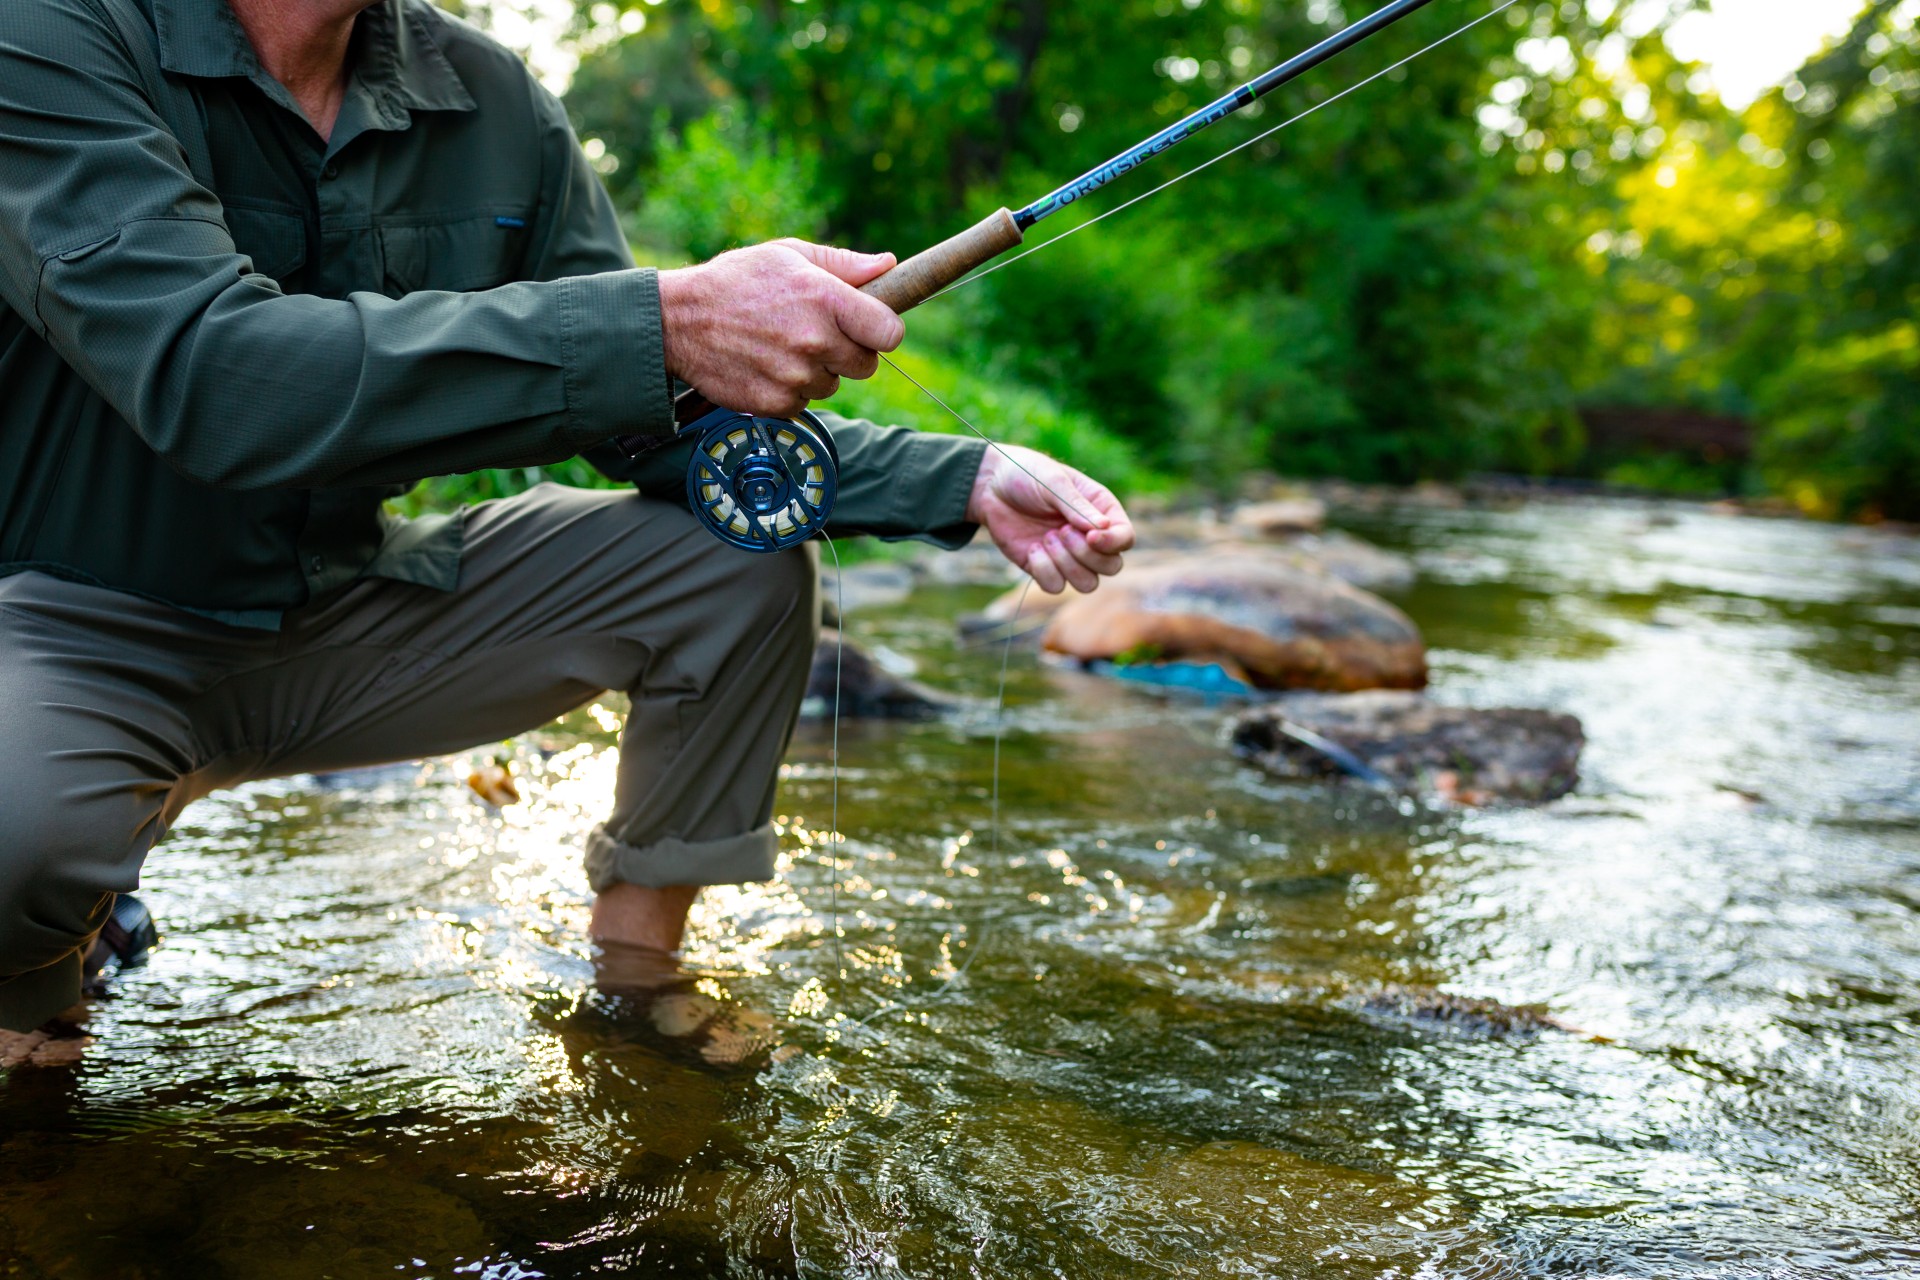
[60,1043]
[687,1020]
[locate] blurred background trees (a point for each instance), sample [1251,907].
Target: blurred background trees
[1546,247]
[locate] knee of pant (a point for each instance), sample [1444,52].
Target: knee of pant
[777,591]
[57,878]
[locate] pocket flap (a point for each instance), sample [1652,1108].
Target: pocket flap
[276,240]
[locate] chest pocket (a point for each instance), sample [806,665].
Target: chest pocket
[275,239]
[459,254]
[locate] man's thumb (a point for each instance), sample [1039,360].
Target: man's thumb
[854,268]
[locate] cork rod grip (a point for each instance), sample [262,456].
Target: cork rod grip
[927,273]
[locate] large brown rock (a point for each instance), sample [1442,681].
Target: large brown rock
[1465,755]
[1282,626]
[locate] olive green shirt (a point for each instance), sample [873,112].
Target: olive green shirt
[225,341]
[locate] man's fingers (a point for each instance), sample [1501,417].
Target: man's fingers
[824,387]
[854,268]
[868,321]
[857,363]
[842,355]
[1117,536]
[1078,575]
[1045,573]
[1098,496]
[1101,562]
[767,399]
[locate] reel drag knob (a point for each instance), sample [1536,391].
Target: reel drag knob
[761,484]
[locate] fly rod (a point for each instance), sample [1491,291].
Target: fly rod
[763,484]
[925,274]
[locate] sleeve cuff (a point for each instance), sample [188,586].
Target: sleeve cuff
[615,356]
[944,468]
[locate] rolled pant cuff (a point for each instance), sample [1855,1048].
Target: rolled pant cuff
[742,859]
[29,999]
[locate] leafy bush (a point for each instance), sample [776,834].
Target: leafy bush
[719,186]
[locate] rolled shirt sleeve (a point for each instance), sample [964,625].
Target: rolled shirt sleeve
[116,256]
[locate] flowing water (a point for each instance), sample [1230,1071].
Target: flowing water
[1135,1041]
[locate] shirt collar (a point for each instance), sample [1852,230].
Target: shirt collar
[396,61]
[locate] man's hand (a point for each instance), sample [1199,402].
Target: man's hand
[1060,526]
[768,329]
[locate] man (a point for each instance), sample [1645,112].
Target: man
[265,263]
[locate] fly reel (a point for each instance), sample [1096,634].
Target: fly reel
[761,484]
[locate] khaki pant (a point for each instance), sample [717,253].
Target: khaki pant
[116,712]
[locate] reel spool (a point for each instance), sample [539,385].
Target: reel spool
[761,484]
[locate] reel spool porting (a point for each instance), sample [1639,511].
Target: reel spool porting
[761,484]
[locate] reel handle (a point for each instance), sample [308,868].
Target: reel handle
[910,283]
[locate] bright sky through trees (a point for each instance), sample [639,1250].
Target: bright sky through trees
[1752,45]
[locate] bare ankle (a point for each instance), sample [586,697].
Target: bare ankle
[637,916]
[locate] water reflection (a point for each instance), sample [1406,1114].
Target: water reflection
[1135,1040]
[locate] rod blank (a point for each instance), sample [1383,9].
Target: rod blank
[1219,109]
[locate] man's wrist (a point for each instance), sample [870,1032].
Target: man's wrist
[983,478]
[680,291]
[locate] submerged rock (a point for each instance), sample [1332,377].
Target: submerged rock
[1283,627]
[366,1221]
[1466,1017]
[1280,518]
[868,691]
[860,587]
[1471,756]
[1218,1208]
[1354,561]
[1290,1215]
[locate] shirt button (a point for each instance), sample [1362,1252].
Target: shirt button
[331,172]
[318,564]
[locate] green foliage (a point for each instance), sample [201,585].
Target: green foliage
[1665,473]
[719,187]
[1767,265]
[1430,278]
[1091,320]
[1006,411]
[449,493]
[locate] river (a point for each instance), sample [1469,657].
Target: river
[1132,1041]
